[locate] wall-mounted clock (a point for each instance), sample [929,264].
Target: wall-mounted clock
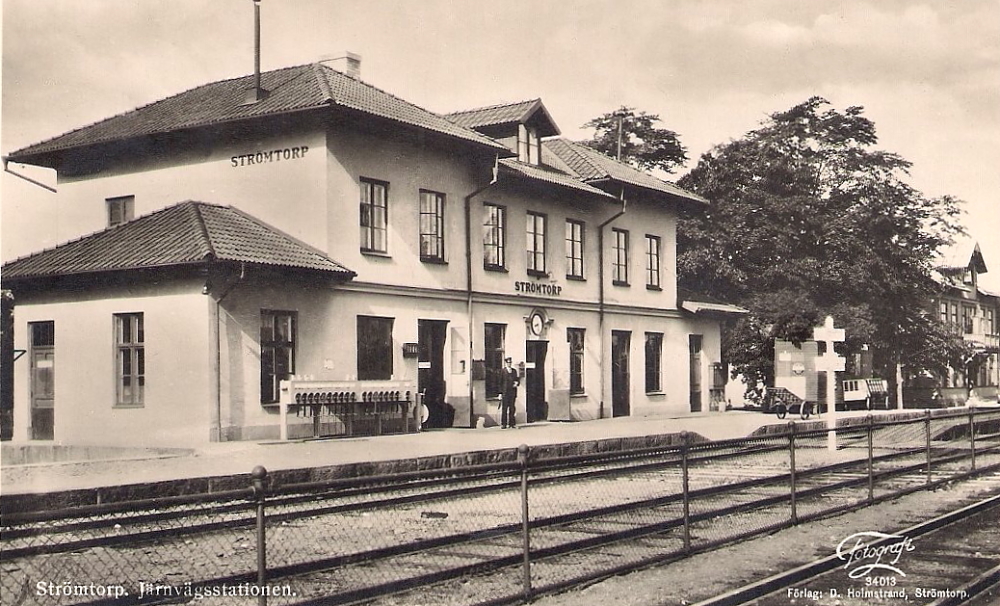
[537,323]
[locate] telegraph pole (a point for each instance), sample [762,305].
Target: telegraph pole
[621,114]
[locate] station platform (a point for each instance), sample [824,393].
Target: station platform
[229,459]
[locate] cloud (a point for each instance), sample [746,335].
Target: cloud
[776,33]
[927,72]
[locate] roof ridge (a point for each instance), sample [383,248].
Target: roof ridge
[578,148]
[324,84]
[200,221]
[495,106]
[385,92]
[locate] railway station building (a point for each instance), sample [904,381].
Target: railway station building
[316,228]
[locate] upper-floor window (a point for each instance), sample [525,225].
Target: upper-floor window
[968,318]
[988,326]
[494,236]
[121,209]
[431,226]
[619,257]
[277,352]
[944,312]
[130,354]
[536,243]
[653,262]
[374,218]
[528,145]
[574,249]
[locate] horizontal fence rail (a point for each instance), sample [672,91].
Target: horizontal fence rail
[527,527]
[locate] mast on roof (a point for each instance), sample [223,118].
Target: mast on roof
[258,93]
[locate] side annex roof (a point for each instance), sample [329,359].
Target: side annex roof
[189,233]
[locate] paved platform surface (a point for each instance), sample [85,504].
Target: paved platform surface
[240,457]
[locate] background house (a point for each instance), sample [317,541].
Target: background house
[971,311]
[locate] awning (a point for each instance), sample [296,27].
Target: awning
[705,308]
[980,347]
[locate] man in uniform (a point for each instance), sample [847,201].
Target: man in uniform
[508,383]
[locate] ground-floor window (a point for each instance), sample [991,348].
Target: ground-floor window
[493,339]
[374,348]
[277,351]
[575,338]
[130,351]
[654,355]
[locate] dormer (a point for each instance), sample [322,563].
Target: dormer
[519,126]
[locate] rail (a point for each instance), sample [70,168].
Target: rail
[529,527]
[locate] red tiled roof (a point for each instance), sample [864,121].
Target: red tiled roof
[550,175]
[290,89]
[188,233]
[504,113]
[592,166]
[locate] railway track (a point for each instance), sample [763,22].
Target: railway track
[950,560]
[590,517]
[616,541]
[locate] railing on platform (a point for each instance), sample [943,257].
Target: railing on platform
[536,523]
[313,409]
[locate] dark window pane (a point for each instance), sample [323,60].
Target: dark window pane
[493,340]
[277,351]
[575,336]
[43,334]
[654,349]
[375,351]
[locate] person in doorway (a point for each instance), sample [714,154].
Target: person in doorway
[509,382]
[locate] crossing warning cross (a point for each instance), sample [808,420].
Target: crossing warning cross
[828,333]
[831,363]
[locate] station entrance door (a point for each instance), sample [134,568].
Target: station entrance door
[43,373]
[620,402]
[431,336]
[536,408]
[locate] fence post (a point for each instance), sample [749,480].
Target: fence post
[871,459]
[972,435]
[259,475]
[927,435]
[686,490]
[791,470]
[522,458]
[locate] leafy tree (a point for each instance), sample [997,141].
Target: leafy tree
[642,143]
[809,219]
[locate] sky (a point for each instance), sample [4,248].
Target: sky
[927,73]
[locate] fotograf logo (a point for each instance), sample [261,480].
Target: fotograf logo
[866,552]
